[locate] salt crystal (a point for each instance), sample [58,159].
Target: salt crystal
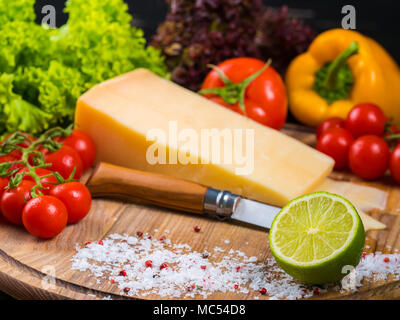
[205,275]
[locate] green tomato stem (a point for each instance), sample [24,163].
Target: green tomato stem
[233,93]
[393,137]
[46,141]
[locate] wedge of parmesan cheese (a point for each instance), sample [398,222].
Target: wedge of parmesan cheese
[141,121]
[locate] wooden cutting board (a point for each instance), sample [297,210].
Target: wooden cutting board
[26,262]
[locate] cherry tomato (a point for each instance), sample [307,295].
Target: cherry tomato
[9,158]
[76,198]
[22,144]
[14,200]
[334,122]
[84,145]
[394,164]
[265,98]
[45,216]
[63,161]
[3,185]
[48,182]
[336,142]
[16,153]
[366,119]
[369,157]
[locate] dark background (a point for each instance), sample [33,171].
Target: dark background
[377,19]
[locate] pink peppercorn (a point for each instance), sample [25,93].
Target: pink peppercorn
[148,264]
[163,266]
[203,267]
[386,259]
[126,290]
[100,242]
[196,228]
[263,291]
[236,286]
[122,273]
[364,255]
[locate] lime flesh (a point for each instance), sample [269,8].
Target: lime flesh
[315,236]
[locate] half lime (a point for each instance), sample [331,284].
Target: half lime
[315,236]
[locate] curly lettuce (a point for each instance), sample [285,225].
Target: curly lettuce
[102,43]
[43,71]
[17,113]
[16,10]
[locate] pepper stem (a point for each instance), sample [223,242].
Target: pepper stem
[338,64]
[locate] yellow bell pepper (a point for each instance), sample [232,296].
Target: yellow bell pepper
[341,69]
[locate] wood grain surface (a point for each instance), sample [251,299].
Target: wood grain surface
[114,182]
[36,269]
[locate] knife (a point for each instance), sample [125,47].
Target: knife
[111,181]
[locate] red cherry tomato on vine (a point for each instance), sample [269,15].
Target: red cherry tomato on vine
[13,201]
[63,161]
[22,144]
[76,198]
[45,216]
[84,145]
[336,142]
[48,182]
[265,98]
[366,119]
[3,185]
[369,157]
[394,164]
[16,153]
[10,158]
[7,158]
[334,122]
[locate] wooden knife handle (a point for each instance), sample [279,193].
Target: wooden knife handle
[121,183]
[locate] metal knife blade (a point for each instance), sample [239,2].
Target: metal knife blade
[255,213]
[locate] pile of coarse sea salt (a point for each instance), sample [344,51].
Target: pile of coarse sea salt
[142,265]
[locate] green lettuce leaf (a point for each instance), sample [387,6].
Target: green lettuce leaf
[99,40]
[24,44]
[16,10]
[17,113]
[43,71]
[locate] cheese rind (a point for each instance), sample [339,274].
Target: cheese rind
[119,113]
